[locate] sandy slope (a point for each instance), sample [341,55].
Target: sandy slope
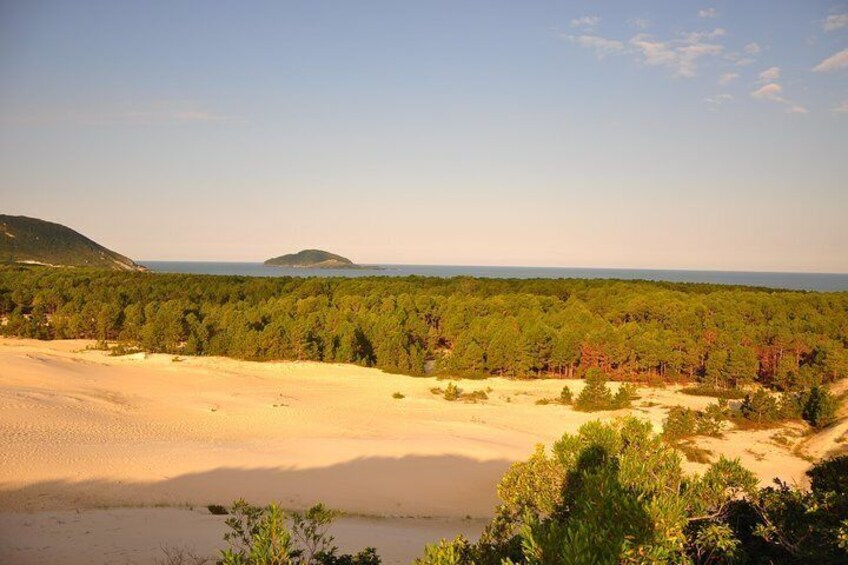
[82,430]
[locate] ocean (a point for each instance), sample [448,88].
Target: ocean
[794,281]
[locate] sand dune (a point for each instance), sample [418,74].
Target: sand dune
[80,430]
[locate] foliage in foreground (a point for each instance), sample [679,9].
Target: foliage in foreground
[269,536]
[616,493]
[612,493]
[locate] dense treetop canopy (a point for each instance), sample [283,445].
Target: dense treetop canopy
[722,335]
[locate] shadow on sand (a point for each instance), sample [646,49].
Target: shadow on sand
[444,485]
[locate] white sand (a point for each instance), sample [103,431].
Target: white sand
[80,430]
[139,535]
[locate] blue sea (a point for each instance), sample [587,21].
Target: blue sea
[795,281]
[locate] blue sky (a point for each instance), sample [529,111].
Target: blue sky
[674,134]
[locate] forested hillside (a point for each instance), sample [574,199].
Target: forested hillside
[312,258]
[30,240]
[726,336]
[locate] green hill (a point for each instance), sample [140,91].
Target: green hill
[314,259]
[34,241]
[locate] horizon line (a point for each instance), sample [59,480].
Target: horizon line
[549,267]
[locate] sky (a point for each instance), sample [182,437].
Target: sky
[676,134]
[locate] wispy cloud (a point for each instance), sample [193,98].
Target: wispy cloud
[746,57]
[842,108]
[727,78]
[601,45]
[680,55]
[769,75]
[835,62]
[773,92]
[707,13]
[713,102]
[835,21]
[586,22]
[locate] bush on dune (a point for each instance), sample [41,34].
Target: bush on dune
[684,422]
[817,406]
[616,493]
[269,536]
[596,395]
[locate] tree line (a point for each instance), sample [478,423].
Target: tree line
[631,330]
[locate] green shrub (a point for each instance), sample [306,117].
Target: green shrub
[612,493]
[565,397]
[820,407]
[474,396]
[761,408]
[217,509]
[452,392]
[398,395]
[685,422]
[680,423]
[120,350]
[269,536]
[595,395]
[711,420]
[787,524]
[817,406]
[453,552]
[625,396]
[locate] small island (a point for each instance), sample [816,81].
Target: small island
[313,259]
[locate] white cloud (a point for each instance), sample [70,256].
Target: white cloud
[835,21]
[835,62]
[654,52]
[601,45]
[773,92]
[727,78]
[680,55]
[586,22]
[842,108]
[707,13]
[752,48]
[770,75]
[745,61]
